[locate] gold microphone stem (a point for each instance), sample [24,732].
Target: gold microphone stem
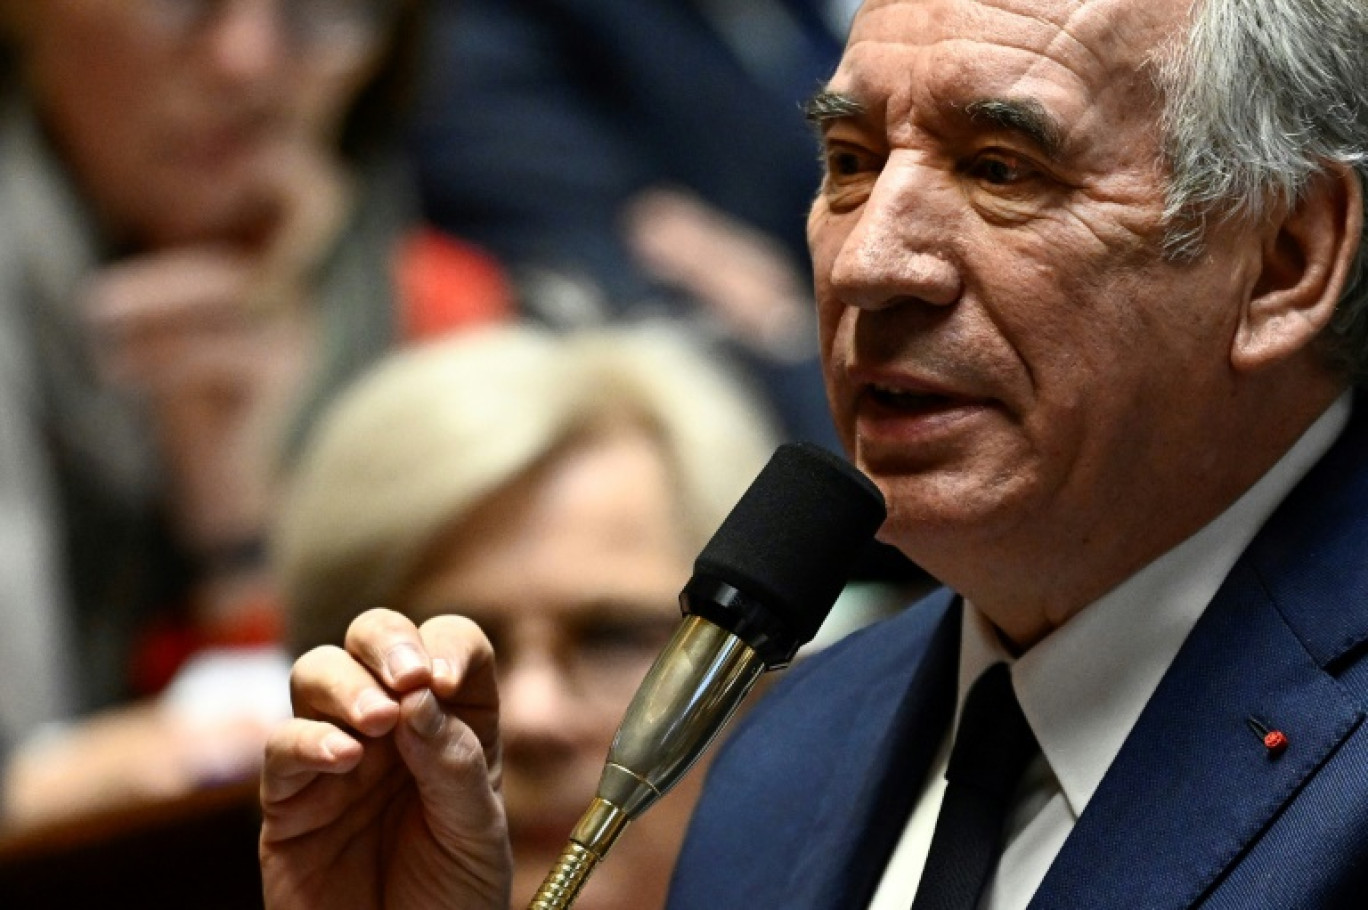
[565,879]
[690,692]
[589,843]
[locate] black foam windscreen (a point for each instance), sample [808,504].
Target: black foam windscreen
[790,543]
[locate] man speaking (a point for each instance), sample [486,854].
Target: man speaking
[1088,278]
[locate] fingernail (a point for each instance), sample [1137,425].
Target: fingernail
[441,669]
[426,717]
[371,702]
[403,660]
[335,744]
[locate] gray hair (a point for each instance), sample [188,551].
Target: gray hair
[433,431]
[1260,96]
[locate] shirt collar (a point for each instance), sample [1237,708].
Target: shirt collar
[1083,686]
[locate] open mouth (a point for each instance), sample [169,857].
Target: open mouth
[908,401]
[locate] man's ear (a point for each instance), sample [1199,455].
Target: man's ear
[1304,266]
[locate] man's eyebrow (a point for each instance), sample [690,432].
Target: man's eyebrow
[827,106]
[1027,117]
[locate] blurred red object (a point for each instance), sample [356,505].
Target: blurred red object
[445,285]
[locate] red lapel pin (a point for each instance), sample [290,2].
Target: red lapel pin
[1275,741]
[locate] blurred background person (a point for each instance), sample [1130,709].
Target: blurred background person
[555,489]
[641,157]
[206,224]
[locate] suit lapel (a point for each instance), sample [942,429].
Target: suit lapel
[1194,786]
[862,815]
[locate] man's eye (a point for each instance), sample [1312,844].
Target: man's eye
[844,163]
[1000,169]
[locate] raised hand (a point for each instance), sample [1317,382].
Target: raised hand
[383,791]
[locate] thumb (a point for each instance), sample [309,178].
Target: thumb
[457,776]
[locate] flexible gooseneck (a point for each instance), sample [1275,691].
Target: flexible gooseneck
[760,589]
[689,694]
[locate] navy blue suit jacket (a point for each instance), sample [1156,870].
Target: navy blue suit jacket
[807,800]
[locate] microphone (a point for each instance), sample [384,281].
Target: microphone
[760,590]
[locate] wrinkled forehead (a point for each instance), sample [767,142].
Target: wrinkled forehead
[1088,46]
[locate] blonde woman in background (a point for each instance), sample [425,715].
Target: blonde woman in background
[555,489]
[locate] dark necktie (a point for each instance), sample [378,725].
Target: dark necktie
[992,748]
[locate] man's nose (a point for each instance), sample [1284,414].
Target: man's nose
[897,250]
[247,41]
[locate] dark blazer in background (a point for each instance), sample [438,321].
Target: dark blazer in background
[540,119]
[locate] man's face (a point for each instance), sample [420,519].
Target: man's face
[1007,352]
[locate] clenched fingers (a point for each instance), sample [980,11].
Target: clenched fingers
[389,645]
[298,752]
[463,680]
[327,683]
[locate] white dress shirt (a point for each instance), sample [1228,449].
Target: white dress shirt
[1083,687]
